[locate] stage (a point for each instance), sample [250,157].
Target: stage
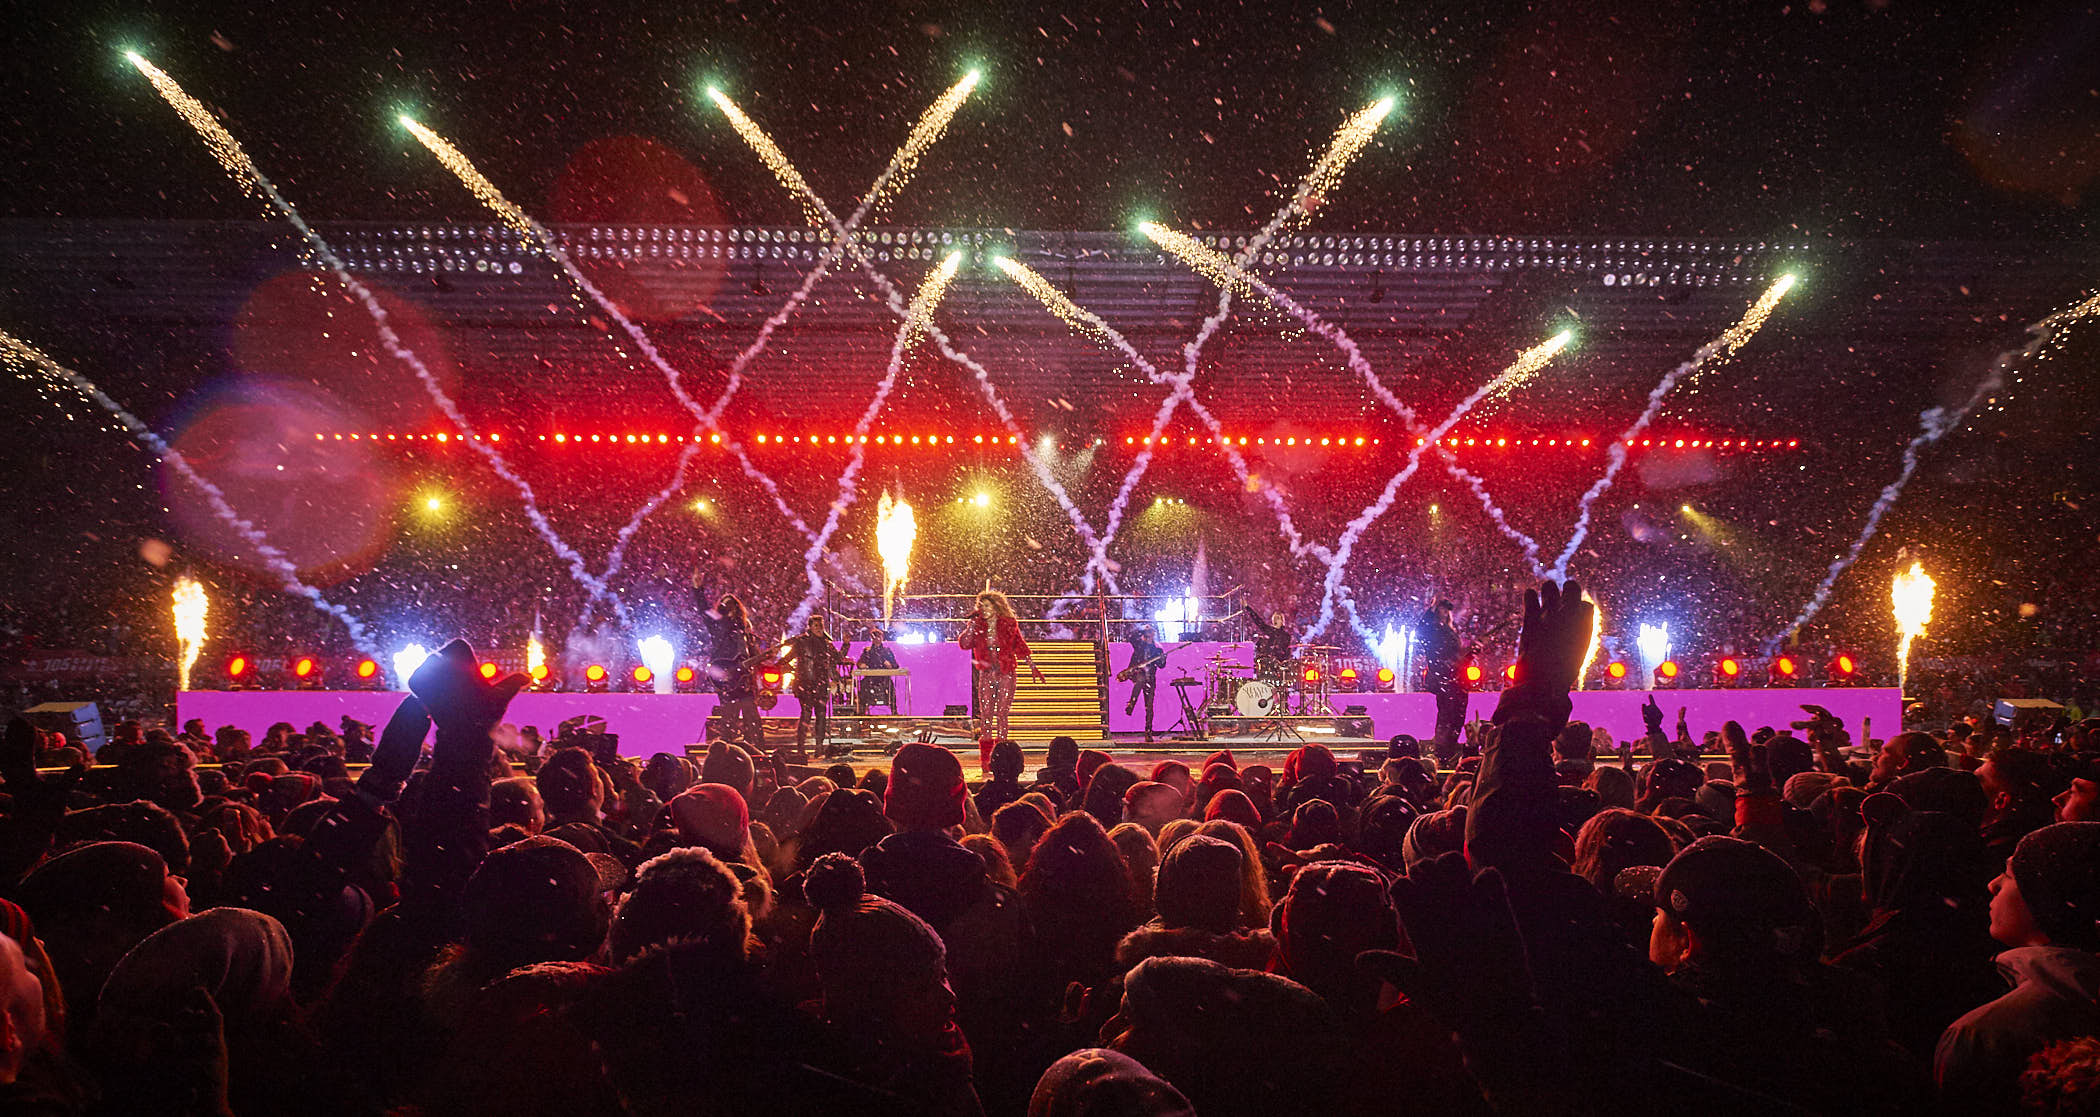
[940,679]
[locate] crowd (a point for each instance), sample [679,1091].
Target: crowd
[1564,923]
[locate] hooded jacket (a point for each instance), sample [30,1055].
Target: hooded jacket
[1978,1063]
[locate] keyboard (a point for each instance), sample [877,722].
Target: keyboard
[879,672]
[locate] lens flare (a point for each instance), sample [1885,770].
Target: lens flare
[191,607]
[1911,596]
[895,530]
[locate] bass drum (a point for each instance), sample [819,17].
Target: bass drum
[1258,699]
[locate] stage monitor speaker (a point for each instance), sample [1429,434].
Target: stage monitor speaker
[955,710]
[79,721]
[2023,710]
[1353,723]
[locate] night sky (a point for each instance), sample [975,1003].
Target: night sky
[1880,118]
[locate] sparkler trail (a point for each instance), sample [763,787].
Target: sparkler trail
[539,237]
[25,358]
[1093,325]
[2044,338]
[1731,339]
[928,129]
[1187,248]
[920,315]
[250,178]
[1326,174]
[894,299]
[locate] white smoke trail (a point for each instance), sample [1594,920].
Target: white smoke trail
[21,354]
[1731,339]
[234,159]
[1934,424]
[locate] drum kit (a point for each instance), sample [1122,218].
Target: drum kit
[1272,687]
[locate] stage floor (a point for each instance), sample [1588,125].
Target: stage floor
[653,723]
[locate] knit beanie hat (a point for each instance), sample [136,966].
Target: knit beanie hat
[1199,884]
[925,789]
[730,764]
[1089,760]
[683,896]
[2058,870]
[866,949]
[1435,834]
[1803,787]
[535,900]
[712,815]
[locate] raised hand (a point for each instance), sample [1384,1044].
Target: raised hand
[1555,636]
[459,700]
[1753,765]
[1652,715]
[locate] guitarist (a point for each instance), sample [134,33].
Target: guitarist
[1441,654]
[816,667]
[1143,675]
[732,658]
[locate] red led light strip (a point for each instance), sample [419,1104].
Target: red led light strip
[928,441]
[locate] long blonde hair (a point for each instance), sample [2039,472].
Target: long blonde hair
[1001,607]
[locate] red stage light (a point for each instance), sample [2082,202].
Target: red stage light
[1784,667]
[685,675]
[1509,673]
[304,666]
[367,669]
[770,678]
[237,668]
[1473,674]
[488,670]
[540,673]
[1615,671]
[1731,668]
[594,673]
[1311,675]
[642,676]
[1386,678]
[1666,672]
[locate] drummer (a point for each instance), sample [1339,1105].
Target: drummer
[1272,645]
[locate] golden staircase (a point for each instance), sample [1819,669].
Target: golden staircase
[1069,700]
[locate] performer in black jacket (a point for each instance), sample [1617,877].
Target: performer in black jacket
[732,658]
[1272,644]
[816,667]
[1440,650]
[1145,657]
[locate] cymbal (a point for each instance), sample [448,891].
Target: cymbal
[1318,647]
[1230,667]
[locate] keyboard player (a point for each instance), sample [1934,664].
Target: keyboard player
[882,689]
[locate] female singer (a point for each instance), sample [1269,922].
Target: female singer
[997,650]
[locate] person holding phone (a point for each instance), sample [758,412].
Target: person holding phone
[997,650]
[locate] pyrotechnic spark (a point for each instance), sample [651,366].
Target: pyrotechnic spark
[770,154]
[27,360]
[1730,340]
[1528,365]
[251,179]
[1348,142]
[1052,299]
[923,134]
[916,321]
[661,659]
[1209,263]
[477,183]
[191,606]
[1654,643]
[535,654]
[895,530]
[406,661]
[2045,338]
[1911,595]
[1589,655]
